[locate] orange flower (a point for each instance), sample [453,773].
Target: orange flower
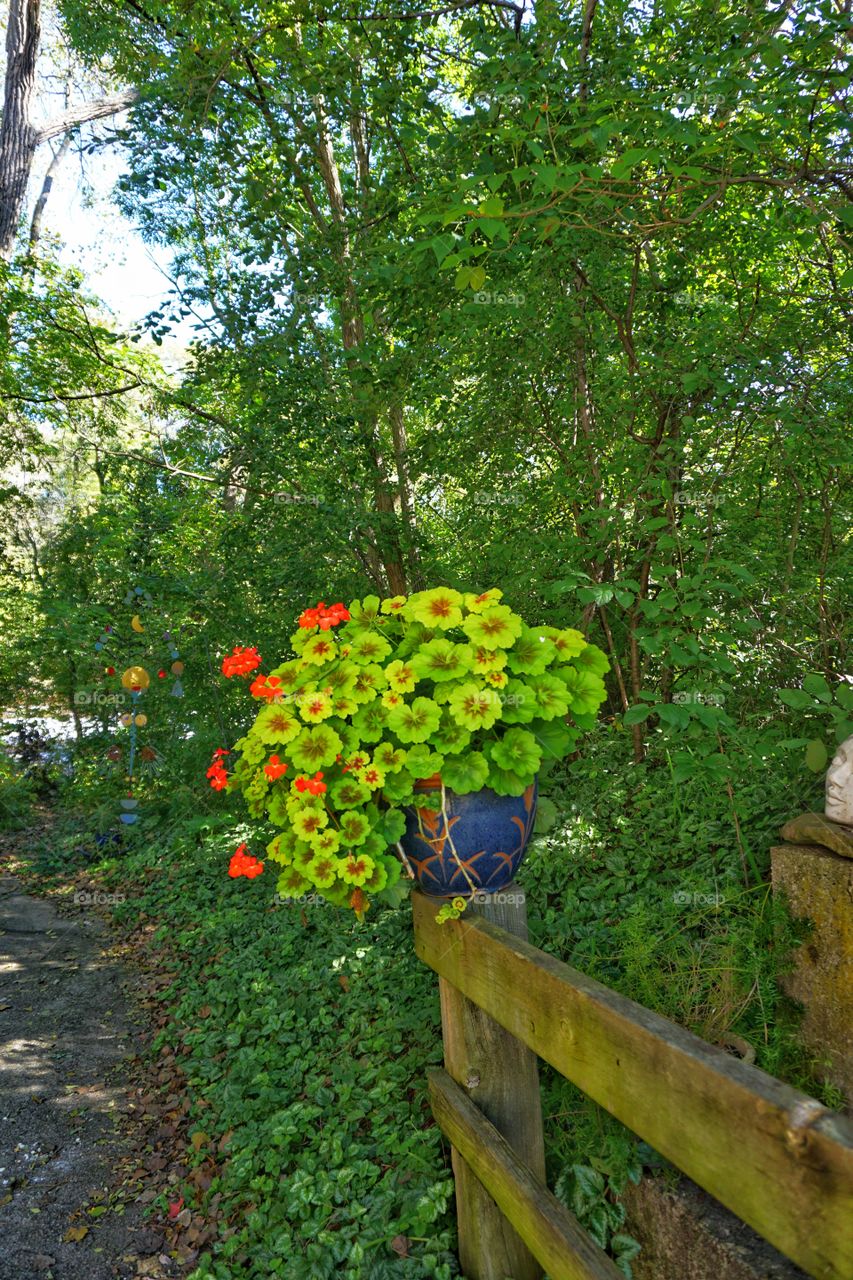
[324,617]
[267,687]
[241,662]
[274,769]
[244,864]
[216,772]
[314,785]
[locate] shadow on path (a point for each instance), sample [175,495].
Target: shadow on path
[64,1033]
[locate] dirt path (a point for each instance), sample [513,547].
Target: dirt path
[64,1033]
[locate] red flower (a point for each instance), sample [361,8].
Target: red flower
[241,662]
[243,864]
[314,785]
[266,687]
[216,772]
[274,769]
[334,616]
[324,617]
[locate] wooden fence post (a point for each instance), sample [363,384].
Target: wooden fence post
[501,1077]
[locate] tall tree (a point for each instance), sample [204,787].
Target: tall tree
[20,138]
[454,270]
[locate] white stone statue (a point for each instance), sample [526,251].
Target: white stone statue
[839,785]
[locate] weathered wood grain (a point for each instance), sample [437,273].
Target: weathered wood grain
[501,1076]
[551,1231]
[778,1159]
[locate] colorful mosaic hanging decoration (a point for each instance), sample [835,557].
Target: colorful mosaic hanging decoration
[136,681]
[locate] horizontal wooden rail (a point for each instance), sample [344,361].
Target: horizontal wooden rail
[778,1159]
[552,1234]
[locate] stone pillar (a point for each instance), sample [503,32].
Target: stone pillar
[814,870]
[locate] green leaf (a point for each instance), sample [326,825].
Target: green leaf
[517,751]
[818,688]
[844,695]
[493,207]
[629,158]
[589,1185]
[678,717]
[493,229]
[597,595]
[624,1246]
[816,755]
[466,772]
[797,699]
[396,894]
[546,815]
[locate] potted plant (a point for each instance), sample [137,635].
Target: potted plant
[407,735]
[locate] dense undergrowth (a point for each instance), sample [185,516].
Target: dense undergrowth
[305,1036]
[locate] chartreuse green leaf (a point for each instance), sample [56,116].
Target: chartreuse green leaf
[517,751]
[423,762]
[506,782]
[466,772]
[518,702]
[554,738]
[415,721]
[531,653]
[392,825]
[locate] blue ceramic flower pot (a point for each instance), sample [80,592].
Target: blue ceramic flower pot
[488,832]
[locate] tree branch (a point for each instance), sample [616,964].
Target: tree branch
[76,395]
[95,109]
[47,184]
[517,9]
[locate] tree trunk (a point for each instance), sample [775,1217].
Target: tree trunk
[404,487]
[38,212]
[18,137]
[352,328]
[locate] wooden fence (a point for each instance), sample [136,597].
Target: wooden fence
[778,1159]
